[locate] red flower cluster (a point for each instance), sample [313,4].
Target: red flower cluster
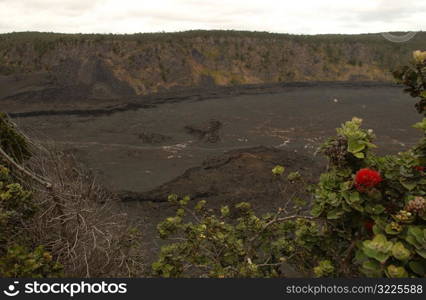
[420,169]
[366,179]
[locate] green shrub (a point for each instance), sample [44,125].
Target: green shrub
[11,141]
[18,256]
[16,205]
[20,262]
[233,243]
[413,77]
[17,209]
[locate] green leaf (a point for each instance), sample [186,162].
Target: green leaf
[379,248]
[354,197]
[294,176]
[335,214]
[418,234]
[418,267]
[393,228]
[317,210]
[396,272]
[372,268]
[379,256]
[375,209]
[377,229]
[412,240]
[355,146]
[224,211]
[421,125]
[400,252]
[409,185]
[278,170]
[375,194]
[184,201]
[421,252]
[172,198]
[200,205]
[359,155]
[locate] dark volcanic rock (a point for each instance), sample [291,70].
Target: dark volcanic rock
[208,132]
[236,176]
[70,80]
[153,138]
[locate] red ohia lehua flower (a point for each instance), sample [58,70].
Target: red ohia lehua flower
[366,179]
[420,169]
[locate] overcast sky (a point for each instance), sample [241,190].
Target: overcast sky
[283,16]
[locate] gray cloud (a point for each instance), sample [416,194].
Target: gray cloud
[386,15]
[119,16]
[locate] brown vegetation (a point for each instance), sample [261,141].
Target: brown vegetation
[69,67]
[75,220]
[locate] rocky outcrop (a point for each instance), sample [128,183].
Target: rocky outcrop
[238,175]
[208,132]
